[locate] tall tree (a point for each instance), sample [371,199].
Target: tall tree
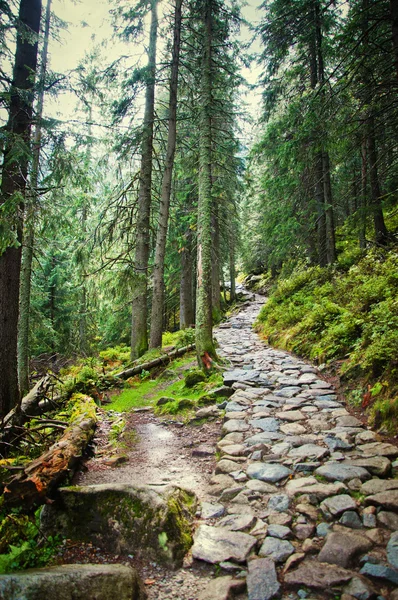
[139,314]
[13,188]
[29,227]
[160,248]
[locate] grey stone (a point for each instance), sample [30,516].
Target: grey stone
[369,520]
[392,550]
[263,438]
[348,421]
[237,522]
[376,465]
[389,519]
[374,486]
[235,425]
[351,519]
[279,519]
[73,582]
[267,472]
[218,544]
[288,392]
[262,581]
[334,471]
[306,467]
[211,511]
[341,548]
[309,450]
[278,550]
[278,502]
[304,531]
[235,407]
[387,500]
[203,451]
[279,531]
[230,493]
[336,505]
[235,450]
[317,575]
[359,589]
[226,466]
[335,443]
[261,486]
[291,415]
[309,485]
[378,449]
[380,572]
[323,529]
[240,375]
[292,429]
[267,424]
[124,518]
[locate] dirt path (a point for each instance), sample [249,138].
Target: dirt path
[301,504]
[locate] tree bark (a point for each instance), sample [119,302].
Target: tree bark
[187,314]
[156,362]
[13,187]
[204,324]
[215,264]
[380,229]
[139,312]
[394,31]
[160,250]
[29,229]
[232,273]
[329,212]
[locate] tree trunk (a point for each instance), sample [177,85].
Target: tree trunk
[394,28]
[321,221]
[364,177]
[215,264]
[380,229]
[139,312]
[204,324]
[232,274]
[29,229]
[328,198]
[187,314]
[13,187]
[160,251]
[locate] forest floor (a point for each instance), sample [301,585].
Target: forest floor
[286,433]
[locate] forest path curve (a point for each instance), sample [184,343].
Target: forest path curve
[302,486]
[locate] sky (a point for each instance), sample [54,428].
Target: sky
[89,23]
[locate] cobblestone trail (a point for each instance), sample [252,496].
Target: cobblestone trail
[304,503]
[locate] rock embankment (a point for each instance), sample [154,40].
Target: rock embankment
[305,503]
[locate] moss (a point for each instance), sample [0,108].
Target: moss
[194,377]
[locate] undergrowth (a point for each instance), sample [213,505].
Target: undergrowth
[346,314]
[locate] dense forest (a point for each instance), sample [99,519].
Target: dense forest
[151,189]
[134,217]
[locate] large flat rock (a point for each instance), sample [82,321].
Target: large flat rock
[125,519]
[267,472]
[334,471]
[341,548]
[262,581]
[387,500]
[219,544]
[318,575]
[73,582]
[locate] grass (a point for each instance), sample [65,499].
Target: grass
[149,391]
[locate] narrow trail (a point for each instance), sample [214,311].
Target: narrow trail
[302,502]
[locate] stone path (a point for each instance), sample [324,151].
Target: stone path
[304,503]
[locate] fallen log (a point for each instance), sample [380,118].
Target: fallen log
[161,360]
[35,484]
[29,407]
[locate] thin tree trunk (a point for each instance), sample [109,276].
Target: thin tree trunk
[139,312]
[215,264]
[13,187]
[29,229]
[321,221]
[204,324]
[327,192]
[160,250]
[364,177]
[380,229]
[394,31]
[232,273]
[187,315]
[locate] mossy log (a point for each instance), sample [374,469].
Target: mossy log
[36,482]
[161,360]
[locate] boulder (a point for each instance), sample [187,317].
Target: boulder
[73,582]
[317,575]
[222,588]
[125,519]
[341,548]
